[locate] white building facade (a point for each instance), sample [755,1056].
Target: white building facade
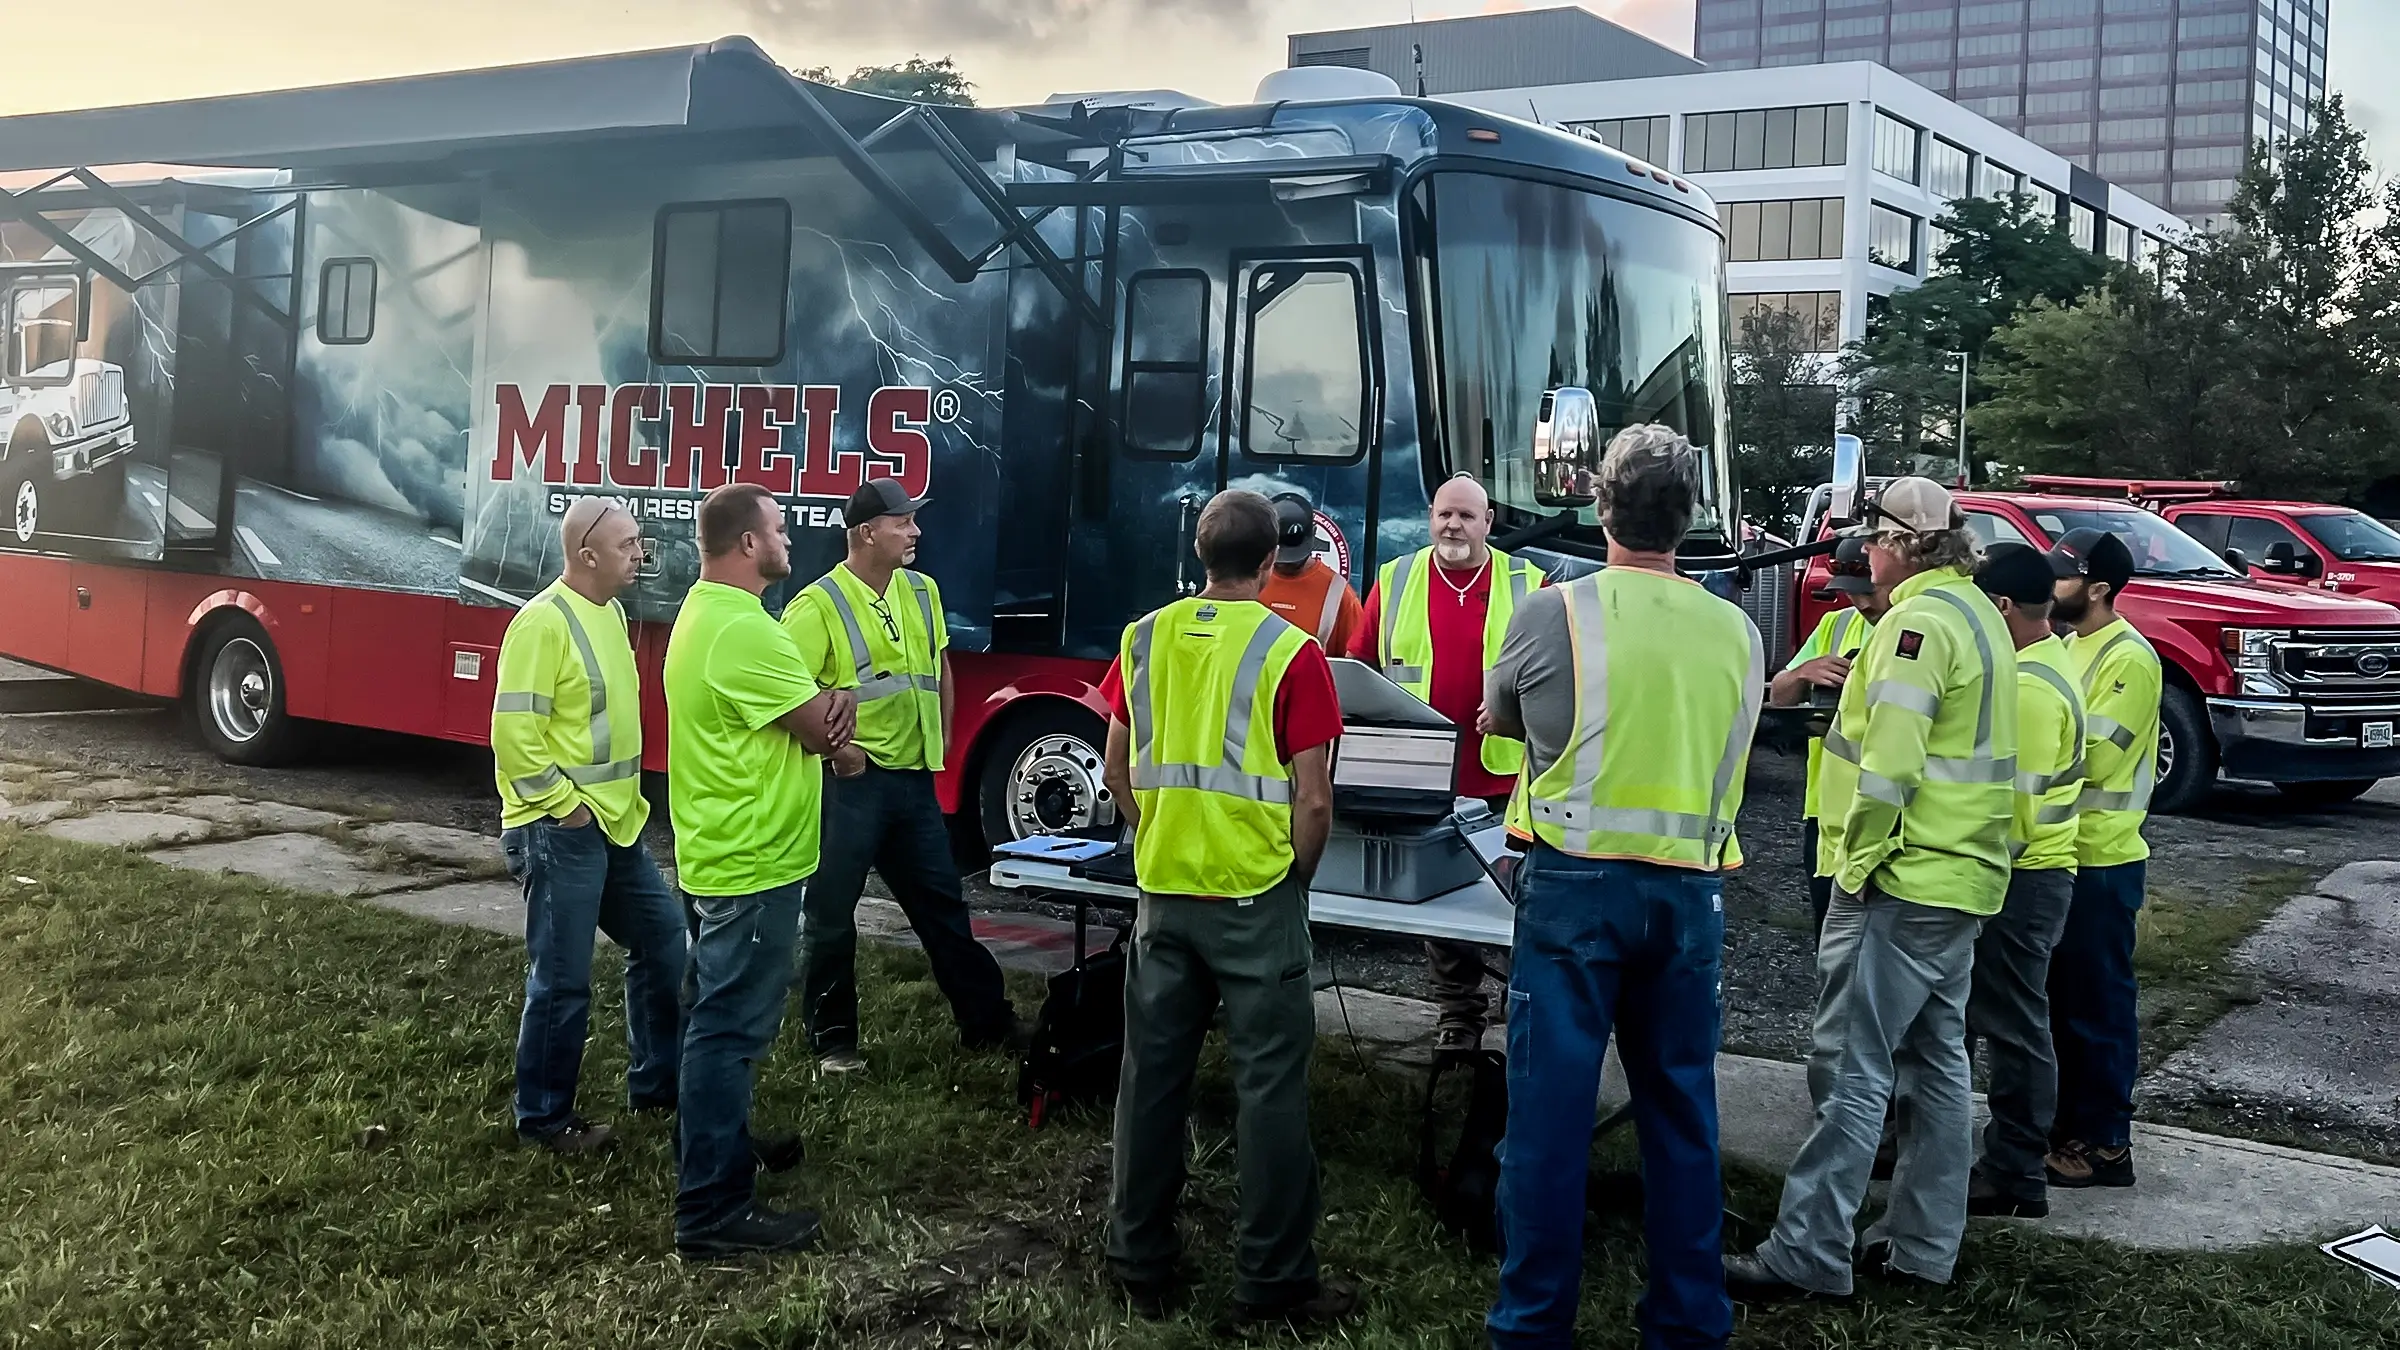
[1829,177]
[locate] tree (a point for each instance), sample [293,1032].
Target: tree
[916,79]
[1999,258]
[1783,410]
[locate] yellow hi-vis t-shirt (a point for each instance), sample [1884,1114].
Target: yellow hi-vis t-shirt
[742,792]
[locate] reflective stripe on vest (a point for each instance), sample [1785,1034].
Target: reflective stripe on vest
[602,769]
[2145,774]
[872,686]
[2039,785]
[1241,709]
[1330,613]
[1983,766]
[1398,674]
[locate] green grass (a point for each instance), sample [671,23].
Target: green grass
[2183,954]
[189,1063]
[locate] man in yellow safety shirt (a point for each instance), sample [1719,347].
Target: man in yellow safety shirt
[567,750]
[1822,663]
[1433,625]
[746,729]
[2009,1010]
[1636,693]
[1919,793]
[876,628]
[1221,719]
[2092,990]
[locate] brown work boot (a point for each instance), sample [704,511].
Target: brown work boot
[2076,1165]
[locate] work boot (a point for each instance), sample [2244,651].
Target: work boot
[778,1152]
[760,1229]
[1011,1041]
[1331,1302]
[578,1136]
[1153,1300]
[2076,1165]
[1748,1280]
[846,1060]
[1987,1201]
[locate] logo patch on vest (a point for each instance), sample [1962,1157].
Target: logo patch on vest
[1911,642]
[1205,613]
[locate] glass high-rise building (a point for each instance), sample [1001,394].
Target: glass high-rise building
[2163,97]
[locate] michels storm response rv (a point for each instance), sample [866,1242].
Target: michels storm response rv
[299,383]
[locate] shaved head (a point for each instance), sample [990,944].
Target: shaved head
[582,514]
[1463,491]
[1462,521]
[601,544]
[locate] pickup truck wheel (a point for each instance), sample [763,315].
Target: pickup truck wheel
[2187,754]
[236,696]
[2332,793]
[25,477]
[1042,775]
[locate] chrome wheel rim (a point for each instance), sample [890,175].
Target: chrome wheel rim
[2166,751]
[241,690]
[1056,786]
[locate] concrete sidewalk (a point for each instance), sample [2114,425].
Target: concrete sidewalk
[2197,1192]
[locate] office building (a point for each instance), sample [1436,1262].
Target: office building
[2160,96]
[1541,46]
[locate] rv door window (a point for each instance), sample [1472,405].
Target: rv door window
[42,318]
[1305,381]
[1166,362]
[346,301]
[721,274]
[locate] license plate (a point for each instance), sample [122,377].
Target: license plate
[2375,736]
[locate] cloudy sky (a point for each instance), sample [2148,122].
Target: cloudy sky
[141,50]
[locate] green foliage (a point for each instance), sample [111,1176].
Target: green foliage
[916,79]
[1783,411]
[2269,354]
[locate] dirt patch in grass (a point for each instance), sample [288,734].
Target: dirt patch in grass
[2183,954]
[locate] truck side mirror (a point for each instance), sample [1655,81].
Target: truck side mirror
[2237,560]
[1849,479]
[1567,449]
[2283,558]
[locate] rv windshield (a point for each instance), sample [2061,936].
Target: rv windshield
[1534,286]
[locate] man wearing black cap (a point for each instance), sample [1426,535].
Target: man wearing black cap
[1823,663]
[1301,589]
[2092,990]
[873,625]
[2008,1008]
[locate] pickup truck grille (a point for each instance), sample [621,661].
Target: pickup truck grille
[2363,662]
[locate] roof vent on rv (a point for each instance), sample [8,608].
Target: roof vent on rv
[1319,84]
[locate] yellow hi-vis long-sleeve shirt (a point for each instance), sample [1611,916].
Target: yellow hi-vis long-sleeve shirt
[2121,681]
[567,720]
[2051,744]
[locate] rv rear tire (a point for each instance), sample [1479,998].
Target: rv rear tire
[235,696]
[1041,775]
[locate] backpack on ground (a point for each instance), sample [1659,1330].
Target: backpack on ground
[1465,1193]
[1079,1038]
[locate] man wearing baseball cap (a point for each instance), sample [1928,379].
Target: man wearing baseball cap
[1816,674]
[2009,1010]
[2092,989]
[1919,785]
[875,626]
[1301,589]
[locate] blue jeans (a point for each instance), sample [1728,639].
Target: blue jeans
[1634,946]
[2095,1018]
[741,973]
[577,881]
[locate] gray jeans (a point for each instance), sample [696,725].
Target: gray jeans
[2009,1012]
[1891,1015]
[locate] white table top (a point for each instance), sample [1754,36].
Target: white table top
[1476,913]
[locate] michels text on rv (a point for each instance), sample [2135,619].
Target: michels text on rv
[710,434]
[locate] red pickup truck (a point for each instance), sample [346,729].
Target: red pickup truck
[2265,681]
[2330,548]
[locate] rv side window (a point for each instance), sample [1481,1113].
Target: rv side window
[346,301]
[1305,377]
[720,276]
[1166,362]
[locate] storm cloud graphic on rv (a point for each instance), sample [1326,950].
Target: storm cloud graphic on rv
[994,22]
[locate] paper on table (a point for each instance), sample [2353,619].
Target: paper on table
[2372,1250]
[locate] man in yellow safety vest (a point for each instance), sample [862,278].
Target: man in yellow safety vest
[876,628]
[567,750]
[1919,793]
[1637,693]
[1433,625]
[1821,664]
[2092,990]
[1221,719]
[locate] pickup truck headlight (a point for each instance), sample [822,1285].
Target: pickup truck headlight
[2250,651]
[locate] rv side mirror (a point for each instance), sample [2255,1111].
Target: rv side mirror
[1567,449]
[2282,557]
[1849,478]
[2237,560]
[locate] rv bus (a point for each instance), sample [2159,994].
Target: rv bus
[298,383]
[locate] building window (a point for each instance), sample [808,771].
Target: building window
[1995,180]
[2063,140]
[2122,129]
[1819,314]
[1767,138]
[2083,225]
[2207,194]
[2214,158]
[1947,168]
[1936,79]
[1895,148]
[1990,77]
[1834,55]
[1853,28]
[721,272]
[1923,21]
[1789,34]
[2135,66]
[1644,138]
[2136,6]
[2209,58]
[2064,9]
[1993,106]
[2149,34]
[1905,54]
[2001,11]
[2132,163]
[1781,231]
[2210,124]
[1725,13]
[2212,26]
[1990,44]
[2063,40]
[2120,241]
[2191,93]
[1304,377]
[1891,238]
[346,301]
[1717,44]
[2045,200]
[1166,362]
[2063,101]
[2132,98]
[2059,72]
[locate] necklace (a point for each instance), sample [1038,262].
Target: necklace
[1461,592]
